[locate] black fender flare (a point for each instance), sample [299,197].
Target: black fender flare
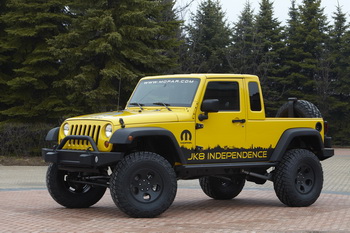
[52,135]
[127,135]
[290,134]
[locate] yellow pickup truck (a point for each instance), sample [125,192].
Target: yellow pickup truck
[210,127]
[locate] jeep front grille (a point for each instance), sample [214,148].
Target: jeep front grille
[83,129]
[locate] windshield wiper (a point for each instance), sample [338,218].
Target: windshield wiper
[137,104]
[163,104]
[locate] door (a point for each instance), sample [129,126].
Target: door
[223,134]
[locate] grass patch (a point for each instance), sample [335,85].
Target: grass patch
[21,161]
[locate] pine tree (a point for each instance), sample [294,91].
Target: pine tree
[292,50]
[344,79]
[5,64]
[208,38]
[293,21]
[339,106]
[113,43]
[268,54]
[307,43]
[28,24]
[3,53]
[169,15]
[242,58]
[338,46]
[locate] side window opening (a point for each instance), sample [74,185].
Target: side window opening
[226,92]
[254,96]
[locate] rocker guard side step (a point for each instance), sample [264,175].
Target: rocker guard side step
[190,171]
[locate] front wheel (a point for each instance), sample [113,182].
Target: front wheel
[298,179]
[143,185]
[65,190]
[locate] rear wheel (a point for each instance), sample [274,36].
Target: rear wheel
[143,185]
[221,188]
[65,190]
[298,179]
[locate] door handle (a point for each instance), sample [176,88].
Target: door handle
[238,121]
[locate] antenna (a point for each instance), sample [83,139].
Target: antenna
[120,84]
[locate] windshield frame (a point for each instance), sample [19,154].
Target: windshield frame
[189,92]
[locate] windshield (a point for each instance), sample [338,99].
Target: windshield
[167,92]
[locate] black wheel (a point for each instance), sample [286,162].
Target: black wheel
[302,109]
[298,179]
[66,192]
[143,185]
[221,188]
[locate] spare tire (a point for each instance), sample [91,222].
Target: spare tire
[302,109]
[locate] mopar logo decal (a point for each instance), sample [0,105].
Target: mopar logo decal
[186,135]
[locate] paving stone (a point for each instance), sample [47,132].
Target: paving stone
[26,206]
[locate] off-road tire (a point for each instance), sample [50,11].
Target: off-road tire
[220,188]
[70,194]
[298,178]
[302,109]
[143,185]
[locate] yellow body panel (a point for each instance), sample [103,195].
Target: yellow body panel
[265,133]
[212,140]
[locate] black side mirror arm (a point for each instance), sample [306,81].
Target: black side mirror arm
[202,117]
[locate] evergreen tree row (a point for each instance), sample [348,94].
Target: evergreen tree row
[60,58]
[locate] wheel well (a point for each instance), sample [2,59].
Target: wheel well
[306,142]
[161,145]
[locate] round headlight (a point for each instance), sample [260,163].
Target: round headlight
[66,129]
[108,130]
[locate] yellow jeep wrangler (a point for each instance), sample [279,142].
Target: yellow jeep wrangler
[210,127]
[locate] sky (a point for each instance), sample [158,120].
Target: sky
[233,8]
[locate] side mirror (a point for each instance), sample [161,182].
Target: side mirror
[208,105]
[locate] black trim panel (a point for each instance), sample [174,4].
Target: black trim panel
[121,136]
[78,158]
[52,135]
[290,134]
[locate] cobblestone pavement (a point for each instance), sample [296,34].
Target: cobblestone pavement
[25,206]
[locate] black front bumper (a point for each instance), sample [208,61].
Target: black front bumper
[78,158]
